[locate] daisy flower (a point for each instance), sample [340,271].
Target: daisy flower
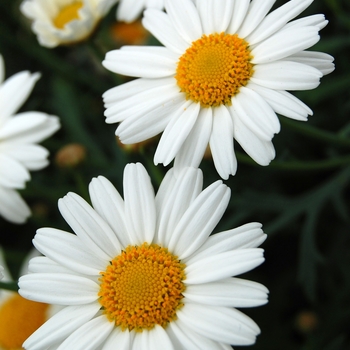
[19,317]
[130,10]
[58,22]
[19,135]
[144,272]
[222,75]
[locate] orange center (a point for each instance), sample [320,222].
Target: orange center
[19,318]
[213,69]
[142,287]
[67,14]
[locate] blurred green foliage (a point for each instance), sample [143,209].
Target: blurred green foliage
[302,198]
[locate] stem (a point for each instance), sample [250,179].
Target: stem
[13,286]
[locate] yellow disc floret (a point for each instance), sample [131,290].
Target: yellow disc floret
[213,69]
[19,318]
[142,287]
[67,14]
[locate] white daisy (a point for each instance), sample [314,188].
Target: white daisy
[57,22]
[144,272]
[130,10]
[19,135]
[19,317]
[222,75]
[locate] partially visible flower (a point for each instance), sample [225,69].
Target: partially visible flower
[131,10]
[129,33]
[222,76]
[19,135]
[58,22]
[19,317]
[71,155]
[145,272]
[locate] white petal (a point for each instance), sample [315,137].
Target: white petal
[283,102]
[314,20]
[129,11]
[60,289]
[2,70]
[158,339]
[12,173]
[185,338]
[192,151]
[108,203]
[231,292]
[118,339]
[256,114]
[221,143]
[14,92]
[277,19]
[223,265]
[221,324]
[284,43]
[12,207]
[144,62]
[319,60]
[239,12]
[90,335]
[260,150]
[42,264]
[140,209]
[94,232]
[60,325]
[176,132]
[185,18]
[177,200]
[159,24]
[246,236]
[199,220]
[66,249]
[256,13]
[215,18]
[286,75]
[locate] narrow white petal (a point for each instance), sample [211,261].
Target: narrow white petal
[12,173]
[285,43]
[256,114]
[90,335]
[159,24]
[108,203]
[15,90]
[60,289]
[221,143]
[185,18]
[12,206]
[260,150]
[256,13]
[176,132]
[60,325]
[144,62]
[221,324]
[283,102]
[277,19]
[166,187]
[118,339]
[286,75]
[93,231]
[246,236]
[314,20]
[223,265]
[215,18]
[177,200]
[231,292]
[239,12]
[185,338]
[192,151]
[42,264]
[199,220]
[140,209]
[158,339]
[319,60]
[129,11]
[66,249]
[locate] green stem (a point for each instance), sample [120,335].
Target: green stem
[311,131]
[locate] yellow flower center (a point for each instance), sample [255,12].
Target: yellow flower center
[213,69]
[19,318]
[67,14]
[142,287]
